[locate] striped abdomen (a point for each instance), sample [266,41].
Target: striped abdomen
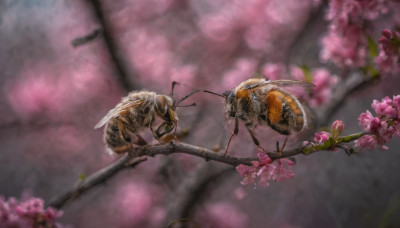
[284,112]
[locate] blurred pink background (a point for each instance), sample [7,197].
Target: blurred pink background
[53,94]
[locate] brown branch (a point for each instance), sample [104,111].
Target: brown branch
[111,45]
[86,38]
[181,201]
[93,180]
[171,148]
[354,82]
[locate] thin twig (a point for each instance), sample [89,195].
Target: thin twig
[171,148]
[86,38]
[111,45]
[191,189]
[93,180]
[354,82]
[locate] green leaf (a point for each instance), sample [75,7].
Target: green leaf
[372,48]
[307,72]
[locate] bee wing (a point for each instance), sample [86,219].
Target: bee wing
[289,83]
[117,111]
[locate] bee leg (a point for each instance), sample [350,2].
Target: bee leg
[255,140]
[235,132]
[284,144]
[155,133]
[122,131]
[122,149]
[175,129]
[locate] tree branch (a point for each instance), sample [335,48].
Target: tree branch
[86,38]
[354,82]
[171,148]
[96,178]
[191,189]
[111,45]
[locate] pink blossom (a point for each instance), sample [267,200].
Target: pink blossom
[365,120]
[337,128]
[384,108]
[274,71]
[265,170]
[27,213]
[382,127]
[321,137]
[347,11]
[345,47]
[345,44]
[366,142]
[282,173]
[396,102]
[323,81]
[389,45]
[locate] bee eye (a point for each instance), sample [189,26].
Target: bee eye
[166,115]
[230,98]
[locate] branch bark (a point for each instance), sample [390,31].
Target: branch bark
[171,148]
[93,180]
[112,47]
[354,82]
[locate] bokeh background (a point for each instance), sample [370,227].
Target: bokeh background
[53,93]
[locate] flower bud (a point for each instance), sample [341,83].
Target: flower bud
[337,128]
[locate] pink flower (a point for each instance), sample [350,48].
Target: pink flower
[282,173]
[365,120]
[389,45]
[274,71]
[265,170]
[345,47]
[396,102]
[384,108]
[28,213]
[337,128]
[366,142]
[323,81]
[248,173]
[382,127]
[321,137]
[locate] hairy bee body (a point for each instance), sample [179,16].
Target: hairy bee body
[134,113]
[257,101]
[260,102]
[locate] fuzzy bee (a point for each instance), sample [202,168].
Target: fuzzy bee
[257,101]
[136,112]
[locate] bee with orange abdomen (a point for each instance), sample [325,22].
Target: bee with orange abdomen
[136,112]
[257,101]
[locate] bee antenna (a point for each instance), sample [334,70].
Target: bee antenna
[207,91]
[172,87]
[187,96]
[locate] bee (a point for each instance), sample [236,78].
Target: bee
[136,112]
[257,101]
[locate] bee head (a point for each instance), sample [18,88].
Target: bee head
[230,103]
[165,108]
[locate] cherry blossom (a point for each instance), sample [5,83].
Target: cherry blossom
[383,127]
[323,81]
[266,170]
[389,45]
[29,213]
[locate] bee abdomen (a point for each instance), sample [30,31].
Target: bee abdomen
[284,112]
[112,136]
